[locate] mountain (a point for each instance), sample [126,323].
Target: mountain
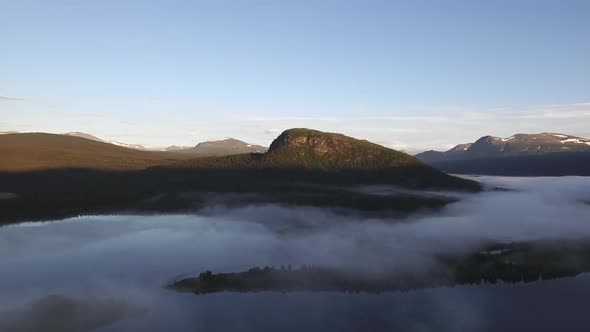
[96,139]
[29,151]
[331,157]
[311,149]
[516,145]
[526,144]
[459,149]
[34,151]
[7,132]
[305,148]
[86,136]
[545,154]
[176,148]
[454,153]
[129,146]
[226,147]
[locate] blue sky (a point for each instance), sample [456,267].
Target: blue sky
[407,74]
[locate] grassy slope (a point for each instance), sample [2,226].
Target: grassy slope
[37,151]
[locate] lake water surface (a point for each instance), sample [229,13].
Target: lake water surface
[106,273]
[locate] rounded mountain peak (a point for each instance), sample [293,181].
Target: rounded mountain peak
[321,143]
[488,140]
[301,147]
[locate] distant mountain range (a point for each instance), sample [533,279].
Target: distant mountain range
[516,145]
[29,151]
[226,147]
[223,147]
[520,154]
[176,148]
[96,139]
[544,154]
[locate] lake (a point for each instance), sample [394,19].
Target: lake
[107,273]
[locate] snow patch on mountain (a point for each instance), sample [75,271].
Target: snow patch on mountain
[129,146]
[576,141]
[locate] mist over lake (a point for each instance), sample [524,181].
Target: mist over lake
[107,273]
[185,166]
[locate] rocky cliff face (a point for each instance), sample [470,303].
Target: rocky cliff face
[317,142]
[315,149]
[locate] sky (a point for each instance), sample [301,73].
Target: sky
[411,75]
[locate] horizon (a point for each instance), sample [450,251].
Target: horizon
[158,148]
[408,76]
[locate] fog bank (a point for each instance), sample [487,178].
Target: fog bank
[91,259]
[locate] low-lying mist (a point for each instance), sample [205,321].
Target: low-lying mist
[532,209]
[132,257]
[65,314]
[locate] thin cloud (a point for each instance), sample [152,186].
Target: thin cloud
[10,98]
[425,118]
[558,114]
[557,111]
[91,114]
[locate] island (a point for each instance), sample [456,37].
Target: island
[507,263]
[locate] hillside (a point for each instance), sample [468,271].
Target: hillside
[315,149]
[176,148]
[333,157]
[226,147]
[94,138]
[513,146]
[85,135]
[36,151]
